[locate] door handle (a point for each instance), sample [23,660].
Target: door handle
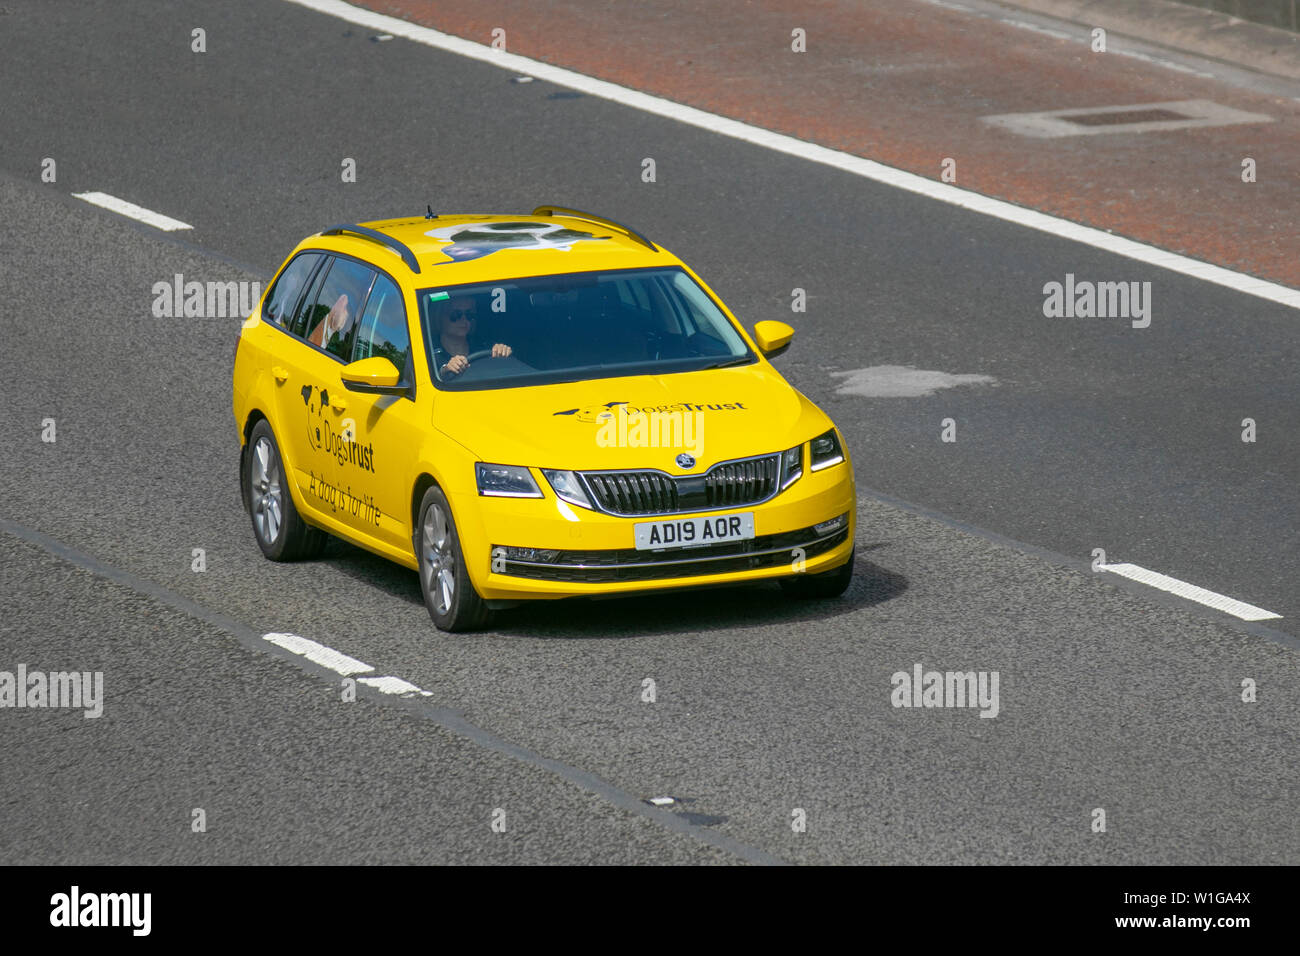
[338,403]
[281,374]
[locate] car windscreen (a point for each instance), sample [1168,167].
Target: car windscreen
[562,328]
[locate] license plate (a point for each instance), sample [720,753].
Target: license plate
[693,532]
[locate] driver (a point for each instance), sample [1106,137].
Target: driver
[456,320]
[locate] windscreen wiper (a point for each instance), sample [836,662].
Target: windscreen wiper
[727,363]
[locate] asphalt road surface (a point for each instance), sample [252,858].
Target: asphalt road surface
[1088,435]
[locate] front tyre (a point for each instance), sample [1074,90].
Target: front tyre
[280,531]
[448,592]
[828,584]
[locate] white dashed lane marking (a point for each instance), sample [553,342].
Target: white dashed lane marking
[393,685]
[340,663]
[1220,602]
[131,210]
[319,654]
[451,721]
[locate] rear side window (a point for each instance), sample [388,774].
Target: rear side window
[298,325]
[331,321]
[383,329]
[286,292]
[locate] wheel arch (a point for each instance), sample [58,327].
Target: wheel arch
[423,482]
[254,416]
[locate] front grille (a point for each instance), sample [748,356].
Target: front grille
[729,484]
[633,492]
[629,564]
[741,482]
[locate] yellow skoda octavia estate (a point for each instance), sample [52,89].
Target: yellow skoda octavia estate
[529,407]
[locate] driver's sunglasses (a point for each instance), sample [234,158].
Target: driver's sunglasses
[466,314]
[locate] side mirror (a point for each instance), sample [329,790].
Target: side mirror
[376,375]
[773,338]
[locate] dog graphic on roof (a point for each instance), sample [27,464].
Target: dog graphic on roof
[474,241]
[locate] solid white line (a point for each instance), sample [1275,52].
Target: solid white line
[124,208]
[1220,602]
[319,653]
[781,143]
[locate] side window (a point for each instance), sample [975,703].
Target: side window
[284,295]
[302,319]
[383,329]
[331,321]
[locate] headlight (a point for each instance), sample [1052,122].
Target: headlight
[825,451]
[567,487]
[791,466]
[506,481]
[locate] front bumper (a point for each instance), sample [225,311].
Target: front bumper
[628,564]
[595,553]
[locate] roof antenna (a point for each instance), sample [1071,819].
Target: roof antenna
[431,214]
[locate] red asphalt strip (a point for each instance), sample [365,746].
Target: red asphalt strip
[905,84]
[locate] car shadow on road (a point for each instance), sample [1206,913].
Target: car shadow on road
[751,605]
[718,608]
[370,569]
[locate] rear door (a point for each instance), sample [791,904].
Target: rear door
[311,401]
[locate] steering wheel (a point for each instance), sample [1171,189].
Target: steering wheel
[487,353]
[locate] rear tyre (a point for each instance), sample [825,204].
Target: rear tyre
[280,531]
[448,592]
[828,584]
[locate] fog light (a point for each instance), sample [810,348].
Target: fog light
[826,527]
[544,555]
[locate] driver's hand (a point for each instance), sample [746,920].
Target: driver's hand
[456,364]
[500,351]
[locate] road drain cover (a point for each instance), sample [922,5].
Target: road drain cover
[1137,118]
[1125,116]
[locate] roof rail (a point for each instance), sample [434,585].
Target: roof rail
[401,248]
[578,214]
